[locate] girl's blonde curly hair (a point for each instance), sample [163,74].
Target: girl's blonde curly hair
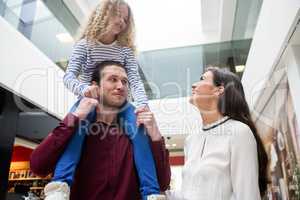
[98,22]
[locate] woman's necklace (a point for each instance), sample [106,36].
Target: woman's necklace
[215,124]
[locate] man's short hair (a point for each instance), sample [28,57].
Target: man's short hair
[97,74]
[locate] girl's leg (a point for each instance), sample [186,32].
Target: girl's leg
[66,165]
[142,153]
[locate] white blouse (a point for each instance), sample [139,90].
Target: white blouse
[220,164]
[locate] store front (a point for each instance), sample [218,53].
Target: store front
[22,182]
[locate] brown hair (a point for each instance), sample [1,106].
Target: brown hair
[234,105]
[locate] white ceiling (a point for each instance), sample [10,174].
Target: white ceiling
[170,23]
[42,12]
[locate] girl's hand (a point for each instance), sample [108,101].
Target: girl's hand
[85,106]
[92,92]
[146,117]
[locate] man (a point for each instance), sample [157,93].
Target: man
[106,169]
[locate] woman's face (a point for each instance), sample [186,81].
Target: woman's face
[204,90]
[118,23]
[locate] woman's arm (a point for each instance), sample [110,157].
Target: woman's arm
[77,60]
[244,164]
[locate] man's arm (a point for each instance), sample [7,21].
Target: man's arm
[160,153]
[161,157]
[44,158]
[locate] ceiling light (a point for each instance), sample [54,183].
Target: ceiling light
[64,37]
[174,145]
[239,68]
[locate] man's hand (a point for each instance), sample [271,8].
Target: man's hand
[92,92]
[146,117]
[85,106]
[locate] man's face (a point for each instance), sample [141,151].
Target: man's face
[113,86]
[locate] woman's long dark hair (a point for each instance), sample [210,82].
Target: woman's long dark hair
[234,105]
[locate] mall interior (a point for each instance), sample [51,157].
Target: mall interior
[259,40]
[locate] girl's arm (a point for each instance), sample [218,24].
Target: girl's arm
[77,60]
[135,82]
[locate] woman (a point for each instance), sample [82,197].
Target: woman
[226,160]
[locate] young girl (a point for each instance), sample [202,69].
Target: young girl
[109,35]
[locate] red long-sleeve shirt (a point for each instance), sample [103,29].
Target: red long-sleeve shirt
[106,169]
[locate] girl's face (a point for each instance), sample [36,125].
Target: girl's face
[204,90]
[119,22]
